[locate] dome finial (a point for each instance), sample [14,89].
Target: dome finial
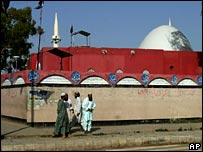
[169,21]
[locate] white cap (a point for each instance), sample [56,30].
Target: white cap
[63,94]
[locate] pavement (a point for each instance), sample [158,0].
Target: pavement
[19,136]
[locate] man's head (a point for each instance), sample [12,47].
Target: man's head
[66,96]
[77,94]
[63,95]
[90,96]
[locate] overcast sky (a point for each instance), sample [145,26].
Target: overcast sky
[120,24]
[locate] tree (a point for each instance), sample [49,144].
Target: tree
[17,26]
[4,6]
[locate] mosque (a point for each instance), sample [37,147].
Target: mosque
[163,65]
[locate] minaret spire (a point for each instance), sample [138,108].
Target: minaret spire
[56,38]
[169,22]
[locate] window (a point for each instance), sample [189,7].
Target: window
[145,72]
[90,70]
[119,71]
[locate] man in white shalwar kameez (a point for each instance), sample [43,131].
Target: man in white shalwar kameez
[68,104]
[84,106]
[88,106]
[77,111]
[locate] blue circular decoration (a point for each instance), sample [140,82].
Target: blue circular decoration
[33,76]
[174,80]
[75,76]
[112,78]
[199,80]
[145,79]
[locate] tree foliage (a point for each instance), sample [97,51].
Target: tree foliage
[17,26]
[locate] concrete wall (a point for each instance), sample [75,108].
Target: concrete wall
[13,102]
[112,103]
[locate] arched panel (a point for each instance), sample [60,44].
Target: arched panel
[20,80]
[187,82]
[159,81]
[128,81]
[6,82]
[94,80]
[56,80]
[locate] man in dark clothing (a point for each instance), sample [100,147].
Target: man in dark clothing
[62,118]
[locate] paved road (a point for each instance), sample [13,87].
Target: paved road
[173,147]
[18,136]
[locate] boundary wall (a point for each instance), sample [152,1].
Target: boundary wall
[112,103]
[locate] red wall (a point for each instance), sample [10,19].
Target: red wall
[155,61]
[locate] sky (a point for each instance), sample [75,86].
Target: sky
[115,24]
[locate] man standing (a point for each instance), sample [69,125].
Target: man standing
[62,118]
[76,111]
[68,104]
[84,106]
[88,106]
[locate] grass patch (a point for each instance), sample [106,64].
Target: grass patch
[99,134]
[161,130]
[190,129]
[180,129]
[192,120]
[79,135]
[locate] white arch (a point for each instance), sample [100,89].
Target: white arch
[187,82]
[159,81]
[94,80]
[128,81]
[6,82]
[56,80]
[20,80]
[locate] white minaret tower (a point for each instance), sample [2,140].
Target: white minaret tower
[56,38]
[169,22]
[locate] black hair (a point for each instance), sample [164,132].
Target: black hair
[77,94]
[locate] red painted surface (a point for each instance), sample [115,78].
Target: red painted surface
[155,61]
[159,63]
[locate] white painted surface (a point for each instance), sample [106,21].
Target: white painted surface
[159,81]
[128,81]
[94,80]
[20,81]
[56,80]
[165,37]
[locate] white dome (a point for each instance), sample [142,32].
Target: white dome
[166,37]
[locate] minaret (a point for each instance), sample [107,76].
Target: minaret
[169,22]
[56,38]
